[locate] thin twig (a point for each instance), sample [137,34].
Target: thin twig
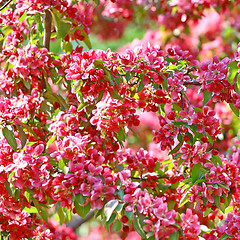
[5,5]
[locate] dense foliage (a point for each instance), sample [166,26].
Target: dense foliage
[146,137]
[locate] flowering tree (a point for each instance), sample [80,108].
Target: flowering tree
[66,119]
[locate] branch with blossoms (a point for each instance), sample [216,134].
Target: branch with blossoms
[66,120]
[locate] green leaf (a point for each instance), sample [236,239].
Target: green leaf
[51,140]
[181,124]
[208,210]
[28,194]
[180,162]
[61,215]
[30,210]
[29,129]
[96,1]
[9,135]
[43,214]
[225,236]
[232,71]
[117,80]
[23,17]
[130,215]
[171,204]
[138,227]
[222,207]
[218,159]
[121,135]
[217,200]
[36,203]
[16,194]
[54,75]
[121,193]
[62,26]
[109,208]
[98,212]
[100,96]
[210,138]
[191,137]
[128,76]
[115,94]
[80,97]
[7,186]
[105,224]
[207,96]
[228,199]
[171,59]
[112,218]
[229,209]
[172,67]
[224,186]
[53,97]
[174,236]
[180,138]
[184,199]
[68,213]
[39,22]
[87,40]
[61,164]
[27,84]
[196,172]
[119,207]
[176,148]
[165,83]
[80,198]
[235,110]
[186,97]
[117,225]
[140,86]
[67,47]
[99,63]
[82,211]
[237,84]
[22,135]
[61,100]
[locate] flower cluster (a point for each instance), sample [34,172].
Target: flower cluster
[190,225]
[159,219]
[167,132]
[214,77]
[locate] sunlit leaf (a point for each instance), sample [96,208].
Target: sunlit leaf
[110,207]
[232,71]
[207,96]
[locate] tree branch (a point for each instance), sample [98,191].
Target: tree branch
[46,40]
[78,221]
[143,178]
[5,4]
[47,29]
[192,83]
